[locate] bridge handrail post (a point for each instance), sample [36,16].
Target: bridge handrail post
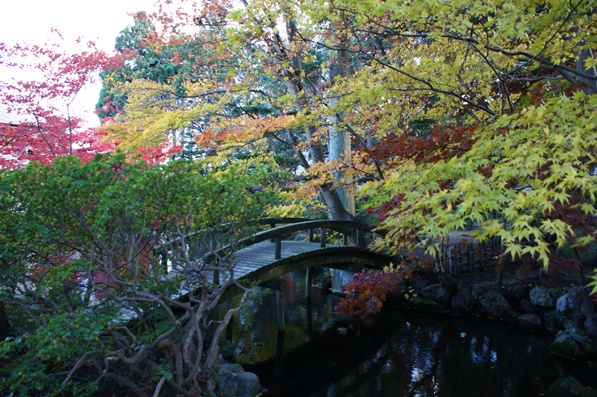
[310,234]
[359,237]
[271,226]
[278,248]
[322,238]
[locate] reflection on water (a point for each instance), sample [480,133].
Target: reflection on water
[302,320]
[403,354]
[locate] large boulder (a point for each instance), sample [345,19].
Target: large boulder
[437,294]
[565,346]
[531,322]
[495,305]
[480,289]
[227,378]
[426,305]
[463,301]
[553,321]
[569,305]
[526,307]
[590,325]
[587,345]
[417,284]
[512,290]
[234,381]
[570,387]
[543,297]
[248,385]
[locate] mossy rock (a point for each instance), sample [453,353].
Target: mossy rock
[570,387]
[423,304]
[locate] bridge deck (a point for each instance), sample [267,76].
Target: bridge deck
[256,256]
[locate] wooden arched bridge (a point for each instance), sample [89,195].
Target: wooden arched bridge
[269,254]
[292,244]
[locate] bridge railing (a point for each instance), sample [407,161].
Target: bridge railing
[198,247]
[353,233]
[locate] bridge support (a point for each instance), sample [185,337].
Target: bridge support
[360,238]
[309,316]
[278,286]
[308,283]
[280,311]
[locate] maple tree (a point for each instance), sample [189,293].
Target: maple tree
[435,67]
[366,292]
[43,126]
[84,259]
[416,86]
[461,79]
[236,96]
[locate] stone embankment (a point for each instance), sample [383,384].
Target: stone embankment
[562,311]
[535,308]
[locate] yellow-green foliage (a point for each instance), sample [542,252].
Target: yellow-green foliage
[463,53]
[521,170]
[153,111]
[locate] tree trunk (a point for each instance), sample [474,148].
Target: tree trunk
[339,147]
[295,86]
[330,195]
[334,204]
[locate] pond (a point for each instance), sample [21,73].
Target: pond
[402,354]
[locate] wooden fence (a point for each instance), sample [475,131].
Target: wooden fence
[465,254]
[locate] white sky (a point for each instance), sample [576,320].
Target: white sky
[31,21]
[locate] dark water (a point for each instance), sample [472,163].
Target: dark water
[402,354]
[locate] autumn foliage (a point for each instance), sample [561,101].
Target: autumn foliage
[367,291]
[42,125]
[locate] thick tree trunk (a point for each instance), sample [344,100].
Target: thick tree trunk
[295,86]
[339,147]
[330,195]
[334,204]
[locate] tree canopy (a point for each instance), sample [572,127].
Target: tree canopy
[458,114]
